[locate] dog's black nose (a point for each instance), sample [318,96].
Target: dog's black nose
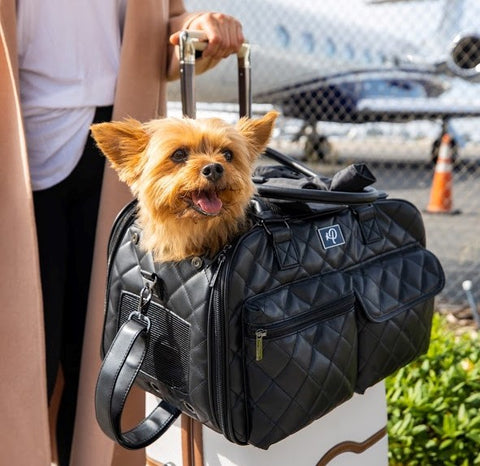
[213,171]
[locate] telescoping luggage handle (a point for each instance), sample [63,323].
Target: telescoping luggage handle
[192,42]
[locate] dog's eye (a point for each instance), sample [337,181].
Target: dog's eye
[179,156]
[228,154]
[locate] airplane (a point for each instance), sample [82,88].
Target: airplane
[325,62]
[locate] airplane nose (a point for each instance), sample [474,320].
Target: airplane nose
[213,171]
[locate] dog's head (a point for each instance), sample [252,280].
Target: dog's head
[189,174]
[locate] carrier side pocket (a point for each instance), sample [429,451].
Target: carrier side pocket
[395,297]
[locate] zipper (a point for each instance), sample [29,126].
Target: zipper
[295,324]
[218,363]
[122,222]
[304,216]
[221,257]
[219,392]
[260,334]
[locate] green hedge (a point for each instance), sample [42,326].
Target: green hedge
[434,403]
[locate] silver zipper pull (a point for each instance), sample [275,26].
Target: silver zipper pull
[259,335]
[222,256]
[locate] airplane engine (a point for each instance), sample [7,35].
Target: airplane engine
[464,57]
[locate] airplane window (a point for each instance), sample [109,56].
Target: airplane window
[308,42]
[283,36]
[383,58]
[331,49]
[368,56]
[350,51]
[403,85]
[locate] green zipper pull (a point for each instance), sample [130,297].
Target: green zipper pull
[259,335]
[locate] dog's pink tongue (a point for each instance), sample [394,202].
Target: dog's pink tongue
[208,201]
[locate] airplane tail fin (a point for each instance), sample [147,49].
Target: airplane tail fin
[452,18]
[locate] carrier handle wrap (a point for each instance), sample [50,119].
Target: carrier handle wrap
[119,370]
[365,196]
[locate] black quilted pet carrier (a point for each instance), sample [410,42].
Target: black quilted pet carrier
[331,290]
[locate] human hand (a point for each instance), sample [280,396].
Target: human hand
[224,34]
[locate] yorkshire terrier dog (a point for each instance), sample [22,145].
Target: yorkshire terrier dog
[192,178]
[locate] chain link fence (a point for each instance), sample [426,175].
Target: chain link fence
[373,81]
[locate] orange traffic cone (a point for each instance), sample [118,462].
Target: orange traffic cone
[441,192]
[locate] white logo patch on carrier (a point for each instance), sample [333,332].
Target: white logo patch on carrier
[331,236]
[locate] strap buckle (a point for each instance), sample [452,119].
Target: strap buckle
[139,315]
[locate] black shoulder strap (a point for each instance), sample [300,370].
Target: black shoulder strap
[117,375]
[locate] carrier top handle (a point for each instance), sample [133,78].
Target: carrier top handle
[190,43]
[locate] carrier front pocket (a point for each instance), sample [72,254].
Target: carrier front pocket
[300,354]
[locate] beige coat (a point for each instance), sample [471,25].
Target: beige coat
[24,435]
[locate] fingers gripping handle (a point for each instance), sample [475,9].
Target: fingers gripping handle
[117,375]
[190,43]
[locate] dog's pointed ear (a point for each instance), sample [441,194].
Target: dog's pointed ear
[258,131]
[123,143]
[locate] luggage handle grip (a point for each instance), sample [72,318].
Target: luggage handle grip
[198,40]
[190,43]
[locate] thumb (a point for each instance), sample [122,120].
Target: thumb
[175,38]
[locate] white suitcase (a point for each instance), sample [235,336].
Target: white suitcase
[353,434]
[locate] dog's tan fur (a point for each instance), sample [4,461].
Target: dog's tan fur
[146,158]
